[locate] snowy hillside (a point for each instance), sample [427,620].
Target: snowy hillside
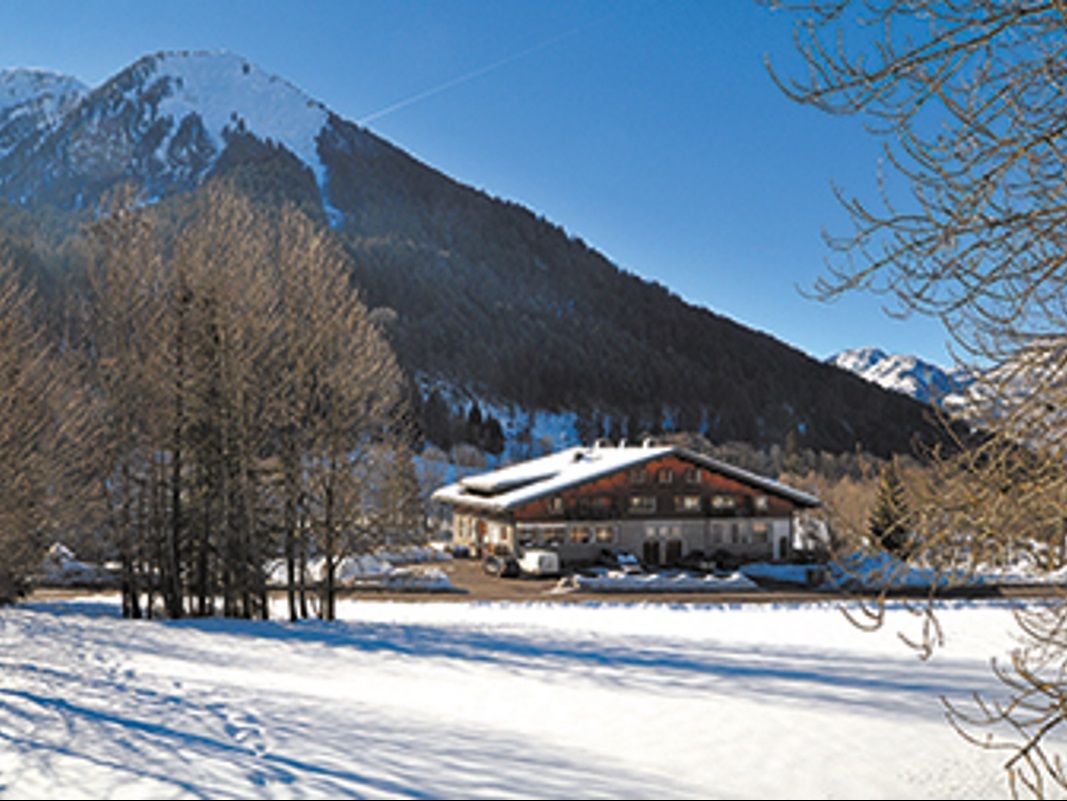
[909,375]
[50,92]
[32,104]
[227,94]
[165,121]
[457,700]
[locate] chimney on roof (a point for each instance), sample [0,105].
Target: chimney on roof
[622,442]
[648,443]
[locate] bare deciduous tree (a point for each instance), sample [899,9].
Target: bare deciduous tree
[46,429]
[245,389]
[969,99]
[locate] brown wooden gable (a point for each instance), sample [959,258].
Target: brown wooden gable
[609,495]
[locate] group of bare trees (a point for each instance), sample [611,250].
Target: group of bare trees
[969,99]
[45,430]
[235,408]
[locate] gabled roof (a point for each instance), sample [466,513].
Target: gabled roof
[509,487]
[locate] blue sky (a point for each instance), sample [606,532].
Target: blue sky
[651,130]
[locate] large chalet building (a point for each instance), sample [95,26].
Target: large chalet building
[661,503]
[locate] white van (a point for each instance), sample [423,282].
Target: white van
[535,562]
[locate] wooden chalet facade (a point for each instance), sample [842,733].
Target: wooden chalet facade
[662,504]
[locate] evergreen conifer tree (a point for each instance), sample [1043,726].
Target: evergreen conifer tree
[888,524]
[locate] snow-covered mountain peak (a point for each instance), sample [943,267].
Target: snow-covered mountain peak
[163,123]
[228,94]
[224,88]
[33,103]
[909,375]
[19,85]
[858,359]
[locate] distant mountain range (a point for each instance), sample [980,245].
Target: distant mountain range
[909,375]
[487,299]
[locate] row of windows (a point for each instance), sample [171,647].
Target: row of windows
[557,535]
[756,533]
[665,475]
[648,504]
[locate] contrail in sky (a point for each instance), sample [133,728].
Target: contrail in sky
[470,76]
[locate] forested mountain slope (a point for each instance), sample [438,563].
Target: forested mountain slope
[490,300]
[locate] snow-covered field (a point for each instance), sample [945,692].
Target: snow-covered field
[490,700]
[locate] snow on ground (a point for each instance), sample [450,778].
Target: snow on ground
[490,700]
[378,571]
[60,568]
[878,571]
[875,572]
[619,581]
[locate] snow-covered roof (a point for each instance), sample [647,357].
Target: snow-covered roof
[509,487]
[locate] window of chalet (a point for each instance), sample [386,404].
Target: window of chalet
[723,503]
[555,505]
[761,503]
[693,475]
[665,476]
[638,475]
[602,504]
[761,533]
[526,537]
[581,535]
[715,536]
[605,534]
[687,503]
[642,504]
[551,536]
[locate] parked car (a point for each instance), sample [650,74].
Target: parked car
[618,559]
[724,560]
[698,561]
[539,562]
[502,566]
